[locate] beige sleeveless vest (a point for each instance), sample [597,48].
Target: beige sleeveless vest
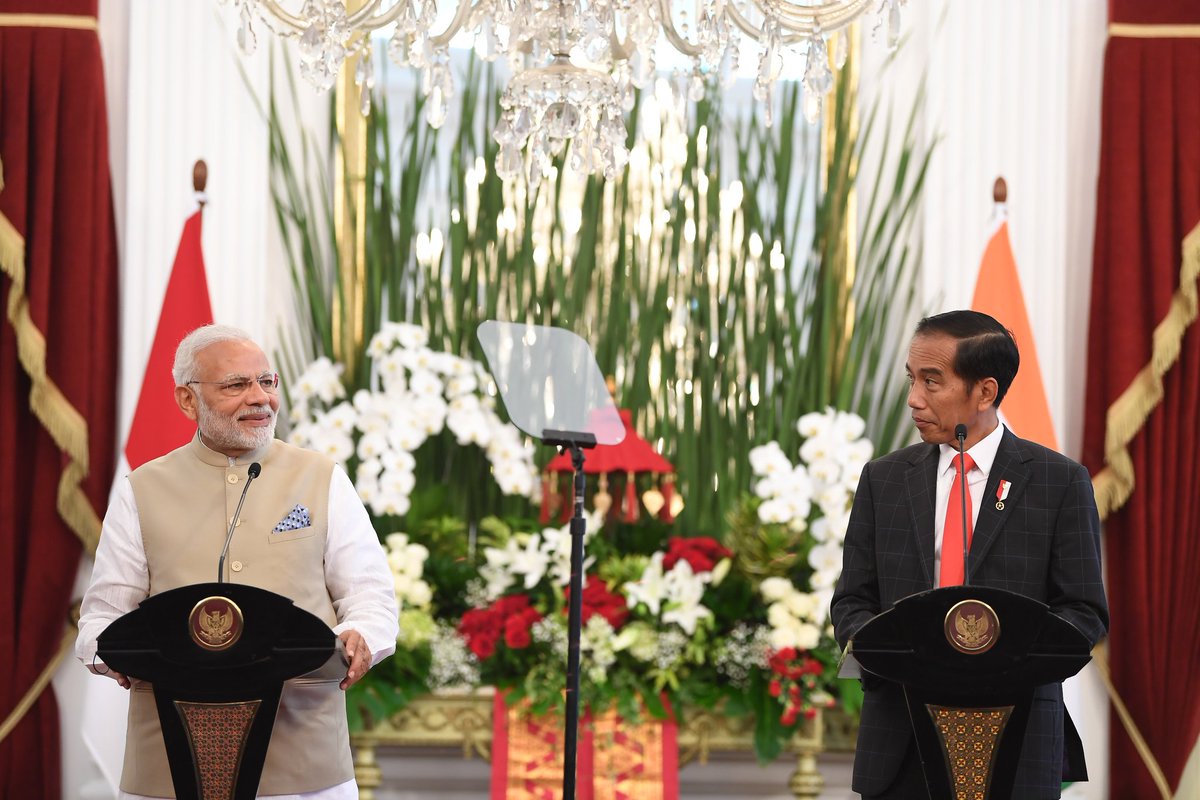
[185,502]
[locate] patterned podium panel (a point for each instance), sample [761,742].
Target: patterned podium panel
[217,734]
[970,738]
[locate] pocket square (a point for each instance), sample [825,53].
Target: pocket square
[297,518]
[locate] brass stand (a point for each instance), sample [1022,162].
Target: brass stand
[465,720]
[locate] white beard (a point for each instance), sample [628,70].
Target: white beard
[224,433]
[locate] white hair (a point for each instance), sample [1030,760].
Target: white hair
[185,368]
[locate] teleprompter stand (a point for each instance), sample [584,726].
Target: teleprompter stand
[575,444]
[553,391]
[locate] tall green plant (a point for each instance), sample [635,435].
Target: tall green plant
[688,272]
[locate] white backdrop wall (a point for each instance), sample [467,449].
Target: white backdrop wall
[1013,89]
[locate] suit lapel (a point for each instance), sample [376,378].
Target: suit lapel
[921,481]
[1008,466]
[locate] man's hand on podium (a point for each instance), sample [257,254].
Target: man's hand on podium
[102,669]
[359,655]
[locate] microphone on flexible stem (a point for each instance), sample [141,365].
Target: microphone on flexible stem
[251,474]
[960,433]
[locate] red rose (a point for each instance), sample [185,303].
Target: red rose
[516,632]
[597,599]
[702,553]
[510,616]
[482,643]
[775,688]
[779,662]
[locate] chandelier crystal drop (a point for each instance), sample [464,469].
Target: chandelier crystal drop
[575,63]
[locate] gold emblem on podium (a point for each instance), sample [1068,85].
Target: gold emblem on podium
[972,627]
[215,623]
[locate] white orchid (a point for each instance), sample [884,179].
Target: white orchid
[417,392]
[407,335]
[795,617]
[321,380]
[371,446]
[832,459]
[337,446]
[800,635]
[461,385]
[407,561]
[848,427]
[399,460]
[768,459]
[815,423]
[395,505]
[774,511]
[775,588]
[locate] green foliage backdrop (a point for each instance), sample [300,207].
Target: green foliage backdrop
[712,280]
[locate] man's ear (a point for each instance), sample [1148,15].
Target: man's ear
[185,398]
[988,387]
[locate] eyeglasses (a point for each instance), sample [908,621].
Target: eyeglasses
[236,387]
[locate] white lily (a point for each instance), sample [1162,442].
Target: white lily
[651,588]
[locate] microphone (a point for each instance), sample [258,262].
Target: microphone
[252,473]
[960,433]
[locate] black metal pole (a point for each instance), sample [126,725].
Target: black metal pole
[574,624]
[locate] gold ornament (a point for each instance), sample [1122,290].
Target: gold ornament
[676,505]
[653,500]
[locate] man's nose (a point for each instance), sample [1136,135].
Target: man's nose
[915,398]
[257,396]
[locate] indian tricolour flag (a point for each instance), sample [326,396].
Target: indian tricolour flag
[1025,409]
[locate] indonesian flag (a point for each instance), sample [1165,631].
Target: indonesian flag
[998,294]
[158,427]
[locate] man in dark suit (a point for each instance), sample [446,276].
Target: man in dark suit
[1042,541]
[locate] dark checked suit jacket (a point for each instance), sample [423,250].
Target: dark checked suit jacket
[1045,544]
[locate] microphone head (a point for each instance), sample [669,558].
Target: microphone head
[256,468]
[960,432]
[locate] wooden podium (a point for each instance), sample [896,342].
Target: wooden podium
[217,655]
[969,659]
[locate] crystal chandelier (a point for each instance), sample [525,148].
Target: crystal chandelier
[575,63]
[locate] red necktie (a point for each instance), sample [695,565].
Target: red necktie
[951,573]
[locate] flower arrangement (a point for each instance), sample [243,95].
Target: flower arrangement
[419,393]
[669,621]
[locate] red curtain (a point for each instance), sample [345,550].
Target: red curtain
[58,352]
[1143,402]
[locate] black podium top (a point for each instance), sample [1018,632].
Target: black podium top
[153,643]
[913,643]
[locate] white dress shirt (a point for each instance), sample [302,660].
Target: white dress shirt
[359,581]
[984,454]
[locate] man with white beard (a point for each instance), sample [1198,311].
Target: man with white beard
[302,533]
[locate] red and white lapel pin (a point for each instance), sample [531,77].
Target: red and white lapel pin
[1002,494]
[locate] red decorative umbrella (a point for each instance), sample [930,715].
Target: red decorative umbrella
[631,456]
